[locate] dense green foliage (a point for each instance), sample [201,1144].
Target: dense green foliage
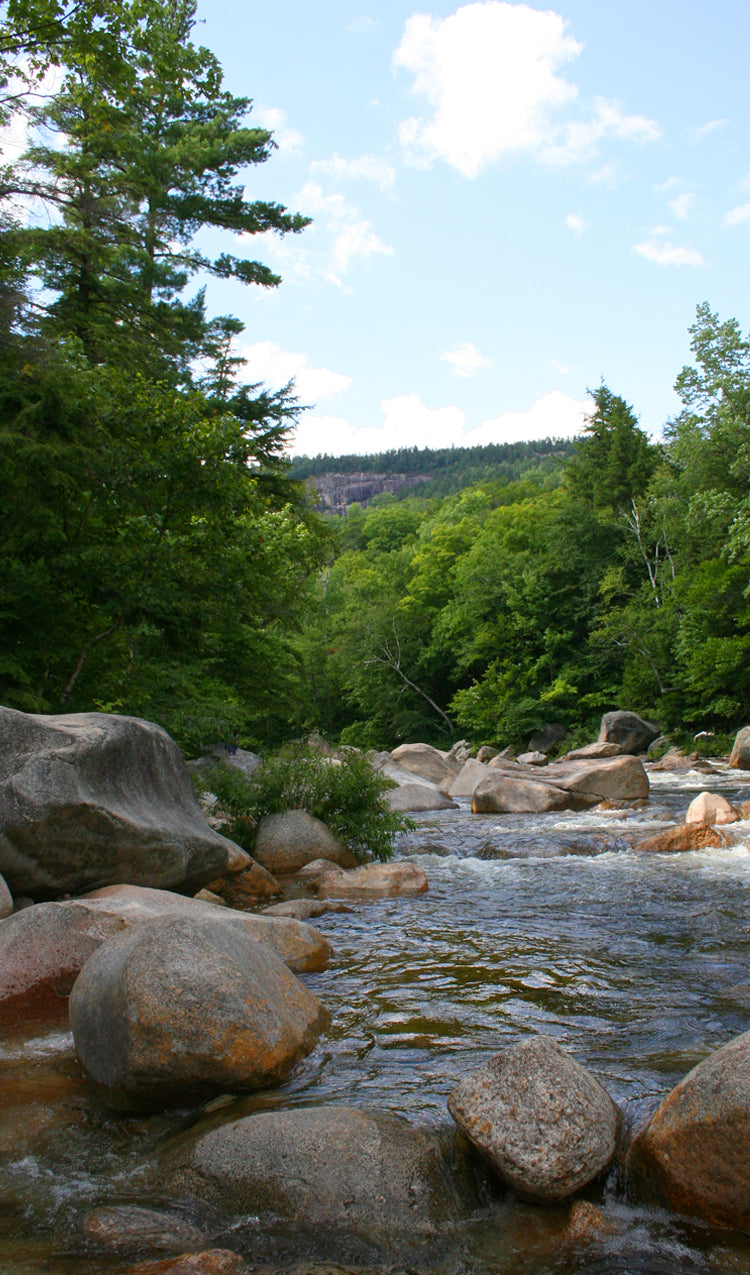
[346,794]
[154,549]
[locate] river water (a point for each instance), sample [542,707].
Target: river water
[637,964]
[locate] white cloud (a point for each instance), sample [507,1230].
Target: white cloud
[682,206]
[465,359]
[737,215]
[664,253]
[705,130]
[408,422]
[268,362]
[560,367]
[287,139]
[576,223]
[369,167]
[488,74]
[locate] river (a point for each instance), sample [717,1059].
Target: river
[638,964]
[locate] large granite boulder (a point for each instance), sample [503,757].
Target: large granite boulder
[415,795]
[739,758]
[342,1168]
[500,793]
[286,842]
[91,799]
[471,773]
[592,752]
[711,808]
[631,732]
[181,1009]
[426,762]
[547,1127]
[592,780]
[694,1154]
[547,737]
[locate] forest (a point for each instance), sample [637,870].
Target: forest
[159,554]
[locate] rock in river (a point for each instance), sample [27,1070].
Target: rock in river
[286,842]
[91,799]
[181,1009]
[543,1122]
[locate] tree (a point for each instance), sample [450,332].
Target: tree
[615,461]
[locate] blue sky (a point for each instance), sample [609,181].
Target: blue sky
[509,204]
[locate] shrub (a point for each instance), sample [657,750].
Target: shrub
[346,795]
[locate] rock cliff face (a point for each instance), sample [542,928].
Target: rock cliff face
[337,491]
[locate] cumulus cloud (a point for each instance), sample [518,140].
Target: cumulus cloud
[465,359]
[663,252]
[736,215]
[408,422]
[287,139]
[268,362]
[682,206]
[369,167]
[489,78]
[576,223]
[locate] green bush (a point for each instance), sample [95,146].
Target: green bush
[348,797]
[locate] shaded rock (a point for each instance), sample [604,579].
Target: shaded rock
[237,758]
[533,759]
[470,774]
[546,738]
[592,751]
[739,758]
[243,889]
[124,1227]
[486,753]
[500,793]
[286,842]
[543,1122]
[336,1166]
[631,732]
[743,810]
[6,900]
[91,798]
[425,762]
[612,778]
[373,880]
[418,796]
[587,1222]
[212,1261]
[184,1008]
[208,896]
[711,808]
[694,1154]
[674,759]
[300,947]
[459,753]
[684,836]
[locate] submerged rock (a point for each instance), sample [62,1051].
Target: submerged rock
[182,1009]
[684,836]
[544,1123]
[213,1261]
[124,1227]
[90,799]
[694,1154]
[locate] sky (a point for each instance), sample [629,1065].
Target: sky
[509,204]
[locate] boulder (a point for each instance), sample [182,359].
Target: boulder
[500,793]
[418,796]
[546,738]
[244,889]
[631,732]
[694,1154]
[286,842]
[739,758]
[425,762]
[338,1167]
[684,836]
[181,1009]
[458,754]
[212,1261]
[711,808]
[486,753]
[545,1124]
[227,755]
[91,799]
[123,1227]
[6,900]
[533,759]
[592,752]
[610,778]
[674,759]
[471,773]
[373,880]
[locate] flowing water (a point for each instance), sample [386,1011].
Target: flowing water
[638,964]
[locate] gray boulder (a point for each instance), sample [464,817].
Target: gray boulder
[417,796]
[631,732]
[592,752]
[739,758]
[533,759]
[609,779]
[543,1122]
[371,881]
[425,762]
[545,739]
[486,753]
[286,842]
[337,1167]
[181,1009]
[694,1154]
[501,793]
[91,799]
[471,773]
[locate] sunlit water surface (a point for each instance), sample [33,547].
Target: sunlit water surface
[638,964]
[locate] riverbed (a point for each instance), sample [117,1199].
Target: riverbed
[638,964]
